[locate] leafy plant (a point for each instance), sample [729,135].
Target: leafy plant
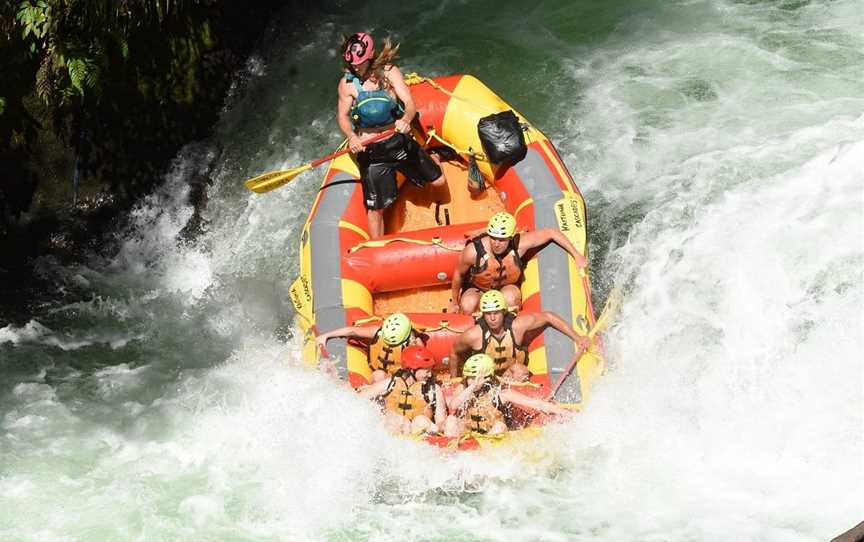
[35,20]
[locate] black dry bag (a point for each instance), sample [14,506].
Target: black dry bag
[502,138]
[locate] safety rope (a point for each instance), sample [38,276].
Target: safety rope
[444,325]
[436,241]
[375,318]
[465,152]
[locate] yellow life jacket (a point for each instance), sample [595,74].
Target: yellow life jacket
[504,352]
[385,357]
[408,400]
[483,410]
[492,272]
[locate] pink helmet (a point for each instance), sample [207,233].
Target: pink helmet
[358,48]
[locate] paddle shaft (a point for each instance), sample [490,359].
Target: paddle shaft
[377,137]
[273,180]
[595,328]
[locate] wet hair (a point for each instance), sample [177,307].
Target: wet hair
[381,60]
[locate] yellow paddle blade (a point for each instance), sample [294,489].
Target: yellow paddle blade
[610,309]
[274,179]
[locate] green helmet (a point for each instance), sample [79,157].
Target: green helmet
[492,301]
[501,226]
[395,329]
[478,365]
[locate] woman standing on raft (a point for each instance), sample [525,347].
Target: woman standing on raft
[373,98]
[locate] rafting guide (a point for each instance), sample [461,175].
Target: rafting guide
[373,97]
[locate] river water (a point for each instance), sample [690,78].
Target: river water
[720,148]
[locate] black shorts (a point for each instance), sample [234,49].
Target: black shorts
[380,162]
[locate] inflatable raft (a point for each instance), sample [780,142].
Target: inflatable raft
[347,279]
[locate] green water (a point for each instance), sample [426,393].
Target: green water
[720,148]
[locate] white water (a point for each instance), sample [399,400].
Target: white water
[721,151]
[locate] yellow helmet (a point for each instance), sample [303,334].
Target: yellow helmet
[478,365]
[502,226]
[395,329]
[492,301]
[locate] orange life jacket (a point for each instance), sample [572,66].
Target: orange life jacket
[491,271]
[409,400]
[385,357]
[506,351]
[483,410]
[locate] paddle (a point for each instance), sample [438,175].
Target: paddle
[275,179]
[609,309]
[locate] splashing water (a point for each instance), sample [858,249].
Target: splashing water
[720,147]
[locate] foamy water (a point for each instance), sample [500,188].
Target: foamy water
[721,151]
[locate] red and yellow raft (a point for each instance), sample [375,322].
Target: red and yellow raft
[346,279]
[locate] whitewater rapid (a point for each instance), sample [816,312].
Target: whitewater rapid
[720,148]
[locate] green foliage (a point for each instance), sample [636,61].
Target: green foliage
[35,20]
[83,74]
[78,42]
[2,104]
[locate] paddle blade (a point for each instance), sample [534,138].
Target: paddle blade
[610,309]
[274,179]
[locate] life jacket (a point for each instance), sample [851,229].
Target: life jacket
[483,410]
[385,357]
[409,400]
[373,108]
[489,273]
[506,351]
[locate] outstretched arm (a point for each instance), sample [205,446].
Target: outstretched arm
[534,239]
[361,332]
[376,389]
[531,322]
[511,396]
[463,393]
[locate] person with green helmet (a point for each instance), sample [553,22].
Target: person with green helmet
[386,342]
[482,405]
[495,260]
[505,336]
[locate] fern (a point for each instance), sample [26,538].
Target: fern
[77,68]
[45,87]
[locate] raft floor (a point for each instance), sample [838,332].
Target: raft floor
[416,209]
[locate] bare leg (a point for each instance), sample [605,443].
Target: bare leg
[470,300]
[442,180]
[513,295]
[517,373]
[375,217]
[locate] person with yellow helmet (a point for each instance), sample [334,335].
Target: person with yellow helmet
[386,342]
[505,336]
[482,405]
[413,401]
[495,259]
